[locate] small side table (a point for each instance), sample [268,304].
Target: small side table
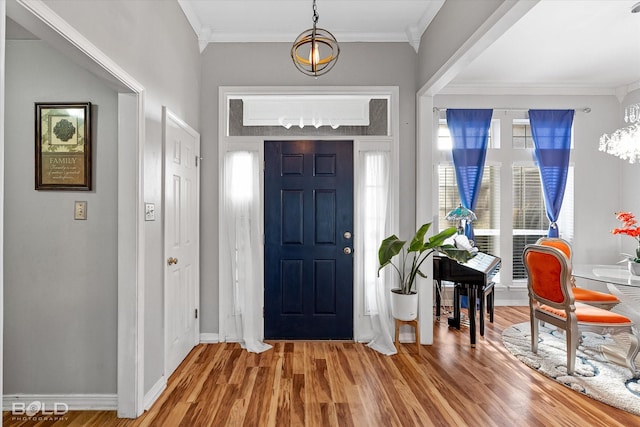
[413,323]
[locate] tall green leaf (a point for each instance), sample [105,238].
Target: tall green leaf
[390,247]
[438,239]
[418,239]
[460,255]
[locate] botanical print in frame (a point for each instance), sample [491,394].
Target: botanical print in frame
[63,146]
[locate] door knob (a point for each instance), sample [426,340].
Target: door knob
[347,250]
[172,261]
[347,235]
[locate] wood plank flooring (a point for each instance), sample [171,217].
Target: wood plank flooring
[347,384]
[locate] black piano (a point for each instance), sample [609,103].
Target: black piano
[474,279]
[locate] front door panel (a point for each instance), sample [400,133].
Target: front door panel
[308,260]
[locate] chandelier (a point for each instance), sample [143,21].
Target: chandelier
[316,50]
[625,142]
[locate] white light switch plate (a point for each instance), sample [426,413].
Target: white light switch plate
[80,210]
[149,212]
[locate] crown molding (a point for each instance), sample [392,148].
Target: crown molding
[541,90]
[414,36]
[211,36]
[622,91]
[192,16]
[207,36]
[633,86]
[415,32]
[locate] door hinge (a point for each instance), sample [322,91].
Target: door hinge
[196,313]
[262,311]
[197,158]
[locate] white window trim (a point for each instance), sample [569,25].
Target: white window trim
[505,156]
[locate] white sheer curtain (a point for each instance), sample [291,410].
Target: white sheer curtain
[374,200]
[244,232]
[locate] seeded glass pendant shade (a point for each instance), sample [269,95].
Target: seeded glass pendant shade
[316,50]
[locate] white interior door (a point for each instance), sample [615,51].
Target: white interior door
[181,244]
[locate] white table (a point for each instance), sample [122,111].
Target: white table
[620,283]
[617,274]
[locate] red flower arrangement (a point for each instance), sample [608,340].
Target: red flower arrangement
[630,228]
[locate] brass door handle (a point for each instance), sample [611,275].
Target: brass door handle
[172,261]
[347,250]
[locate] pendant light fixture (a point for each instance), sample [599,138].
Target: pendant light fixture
[316,50]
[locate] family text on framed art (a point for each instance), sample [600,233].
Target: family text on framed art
[63,146]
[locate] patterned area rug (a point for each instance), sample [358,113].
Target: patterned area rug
[600,370]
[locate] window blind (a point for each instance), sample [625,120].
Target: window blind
[444,136]
[529,216]
[487,227]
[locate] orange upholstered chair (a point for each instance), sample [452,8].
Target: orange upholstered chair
[551,300]
[583,295]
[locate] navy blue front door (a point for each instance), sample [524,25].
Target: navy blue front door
[308,224]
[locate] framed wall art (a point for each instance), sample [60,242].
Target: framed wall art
[63,146]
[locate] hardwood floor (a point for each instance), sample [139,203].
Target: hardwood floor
[347,384]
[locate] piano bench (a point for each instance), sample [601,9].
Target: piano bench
[487,297]
[486,302]
[413,323]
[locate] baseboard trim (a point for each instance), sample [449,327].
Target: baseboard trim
[75,402]
[209,338]
[154,393]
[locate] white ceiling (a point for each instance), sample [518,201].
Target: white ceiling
[564,43]
[283,20]
[558,43]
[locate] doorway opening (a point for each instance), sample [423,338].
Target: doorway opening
[239,139]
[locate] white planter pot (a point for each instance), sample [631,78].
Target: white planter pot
[404,306]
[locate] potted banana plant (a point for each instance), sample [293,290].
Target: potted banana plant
[404,300]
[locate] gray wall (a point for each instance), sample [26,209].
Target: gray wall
[153,42]
[60,279]
[269,64]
